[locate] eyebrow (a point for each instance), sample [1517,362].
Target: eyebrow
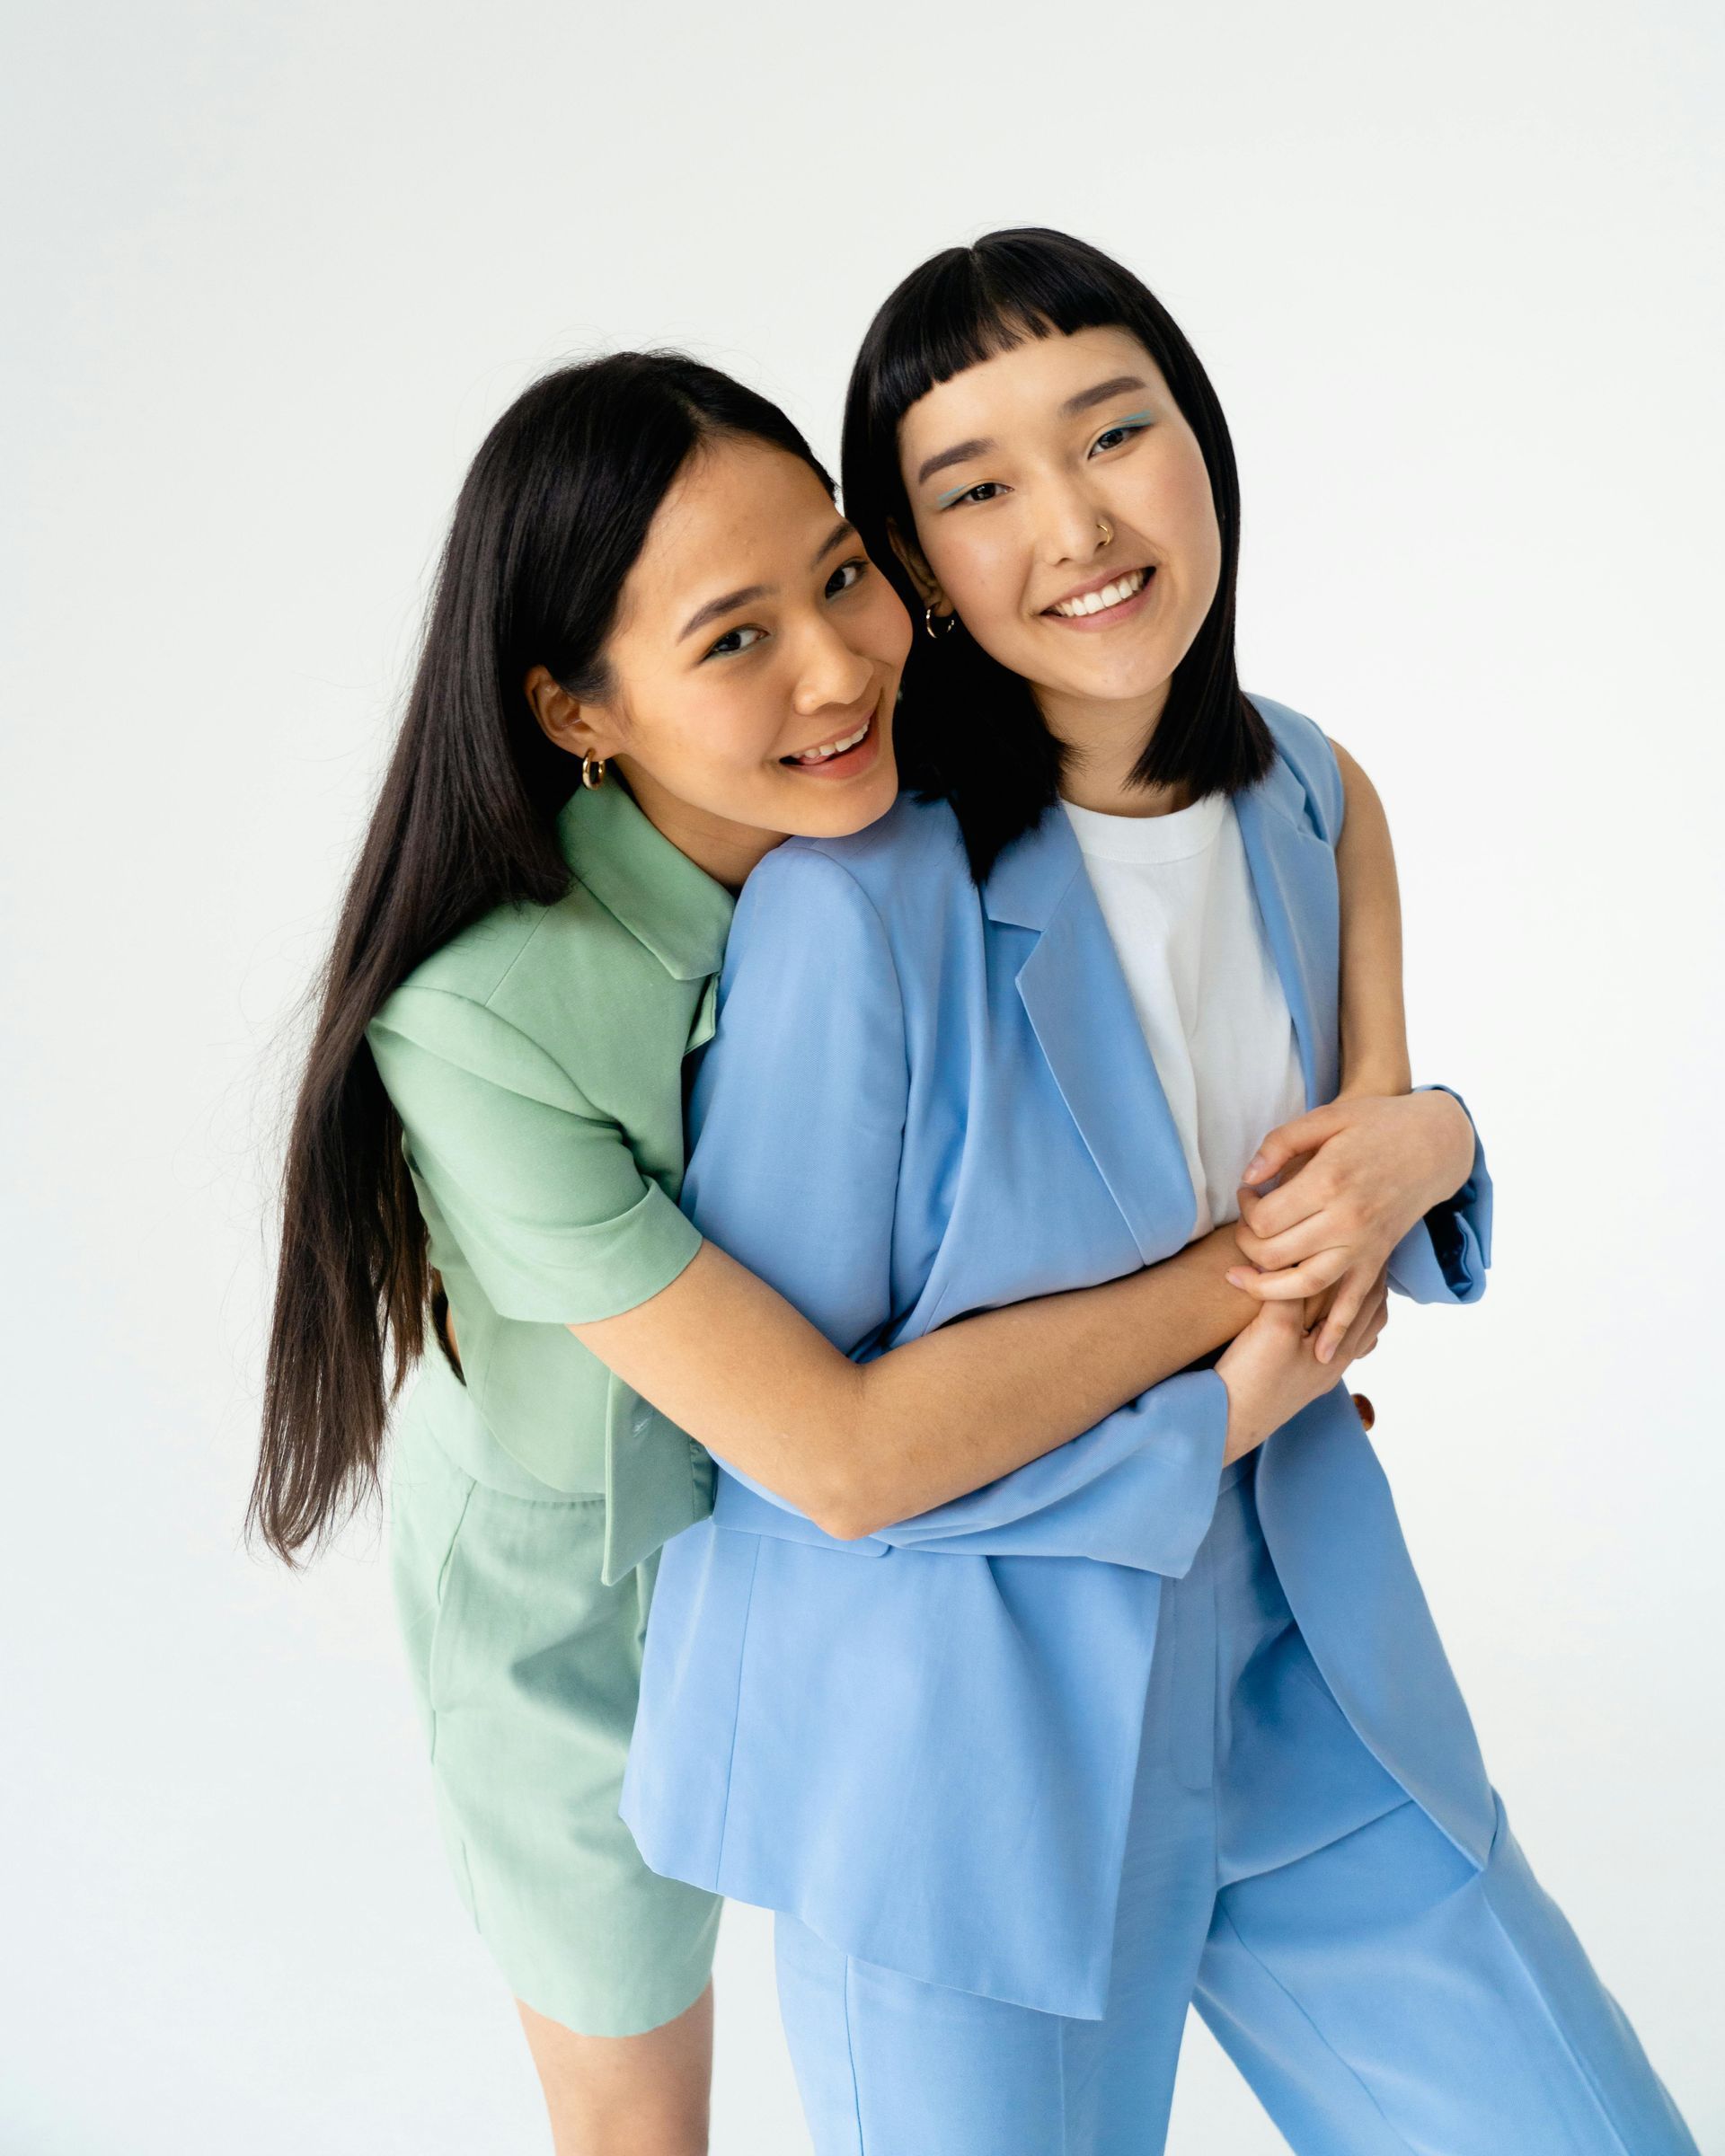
[747,594]
[1102,391]
[960,453]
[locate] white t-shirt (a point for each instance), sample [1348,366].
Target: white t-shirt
[1177,896]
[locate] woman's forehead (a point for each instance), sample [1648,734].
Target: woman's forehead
[1034,378]
[736,513]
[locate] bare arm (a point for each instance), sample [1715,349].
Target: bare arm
[857,1446]
[1374,1022]
[1356,1174]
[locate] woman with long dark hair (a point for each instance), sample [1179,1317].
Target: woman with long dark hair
[1133,1729]
[654,650]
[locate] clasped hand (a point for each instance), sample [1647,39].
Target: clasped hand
[1329,1195]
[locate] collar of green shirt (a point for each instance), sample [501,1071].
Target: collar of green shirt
[635,872]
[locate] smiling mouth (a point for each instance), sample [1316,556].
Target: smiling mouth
[1111,596]
[840,745]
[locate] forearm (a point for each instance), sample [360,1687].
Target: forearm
[855,1447]
[964,1406]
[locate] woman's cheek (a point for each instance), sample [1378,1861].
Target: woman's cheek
[1197,518]
[890,626]
[984,589]
[725,745]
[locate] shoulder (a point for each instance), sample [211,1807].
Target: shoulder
[1307,753]
[477,958]
[859,918]
[896,866]
[548,975]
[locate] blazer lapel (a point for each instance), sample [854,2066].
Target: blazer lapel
[1078,1003]
[1294,877]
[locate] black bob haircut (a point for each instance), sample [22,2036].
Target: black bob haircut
[968,730]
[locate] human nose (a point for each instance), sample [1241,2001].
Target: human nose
[1070,524]
[832,671]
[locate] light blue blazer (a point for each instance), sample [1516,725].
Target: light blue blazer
[923,1099]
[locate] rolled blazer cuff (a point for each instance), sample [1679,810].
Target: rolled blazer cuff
[1136,1489]
[1142,1494]
[1444,1256]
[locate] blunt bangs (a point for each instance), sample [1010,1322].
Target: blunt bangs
[971,303]
[969,731]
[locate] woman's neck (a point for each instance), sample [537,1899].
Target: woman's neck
[1103,740]
[727,852]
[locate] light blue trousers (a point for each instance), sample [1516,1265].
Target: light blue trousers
[1380,1996]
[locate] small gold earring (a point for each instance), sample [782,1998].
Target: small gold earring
[593,773]
[949,622]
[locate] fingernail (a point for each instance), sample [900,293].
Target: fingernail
[1236,1278]
[1326,1349]
[1254,1169]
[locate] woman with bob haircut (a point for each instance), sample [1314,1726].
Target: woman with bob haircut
[1136,1727]
[653,650]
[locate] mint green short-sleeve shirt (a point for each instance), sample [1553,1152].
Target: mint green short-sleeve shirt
[536,1061]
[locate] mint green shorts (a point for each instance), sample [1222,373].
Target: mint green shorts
[525,1670]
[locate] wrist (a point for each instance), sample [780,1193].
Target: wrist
[1242,1431]
[1453,1161]
[1375,1077]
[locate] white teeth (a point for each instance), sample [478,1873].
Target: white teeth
[834,748]
[1111,595]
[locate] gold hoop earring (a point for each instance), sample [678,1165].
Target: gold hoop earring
[1107,530]
[949,622]
[592,772]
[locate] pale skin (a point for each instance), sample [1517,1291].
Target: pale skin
[751,632]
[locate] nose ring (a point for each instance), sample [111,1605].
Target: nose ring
[1106,529]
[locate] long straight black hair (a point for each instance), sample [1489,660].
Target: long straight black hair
[551,518]
[967,729]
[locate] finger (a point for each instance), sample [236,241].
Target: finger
[1284,1318]
[1270,1253]
[1304,1134]
[1345,1307]
[1365,1325]
[1297,1282]
[1296,1198]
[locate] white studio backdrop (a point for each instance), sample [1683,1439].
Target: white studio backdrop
[271,271]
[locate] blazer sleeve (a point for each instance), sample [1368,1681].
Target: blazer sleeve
[798,1116]
[1444,1256]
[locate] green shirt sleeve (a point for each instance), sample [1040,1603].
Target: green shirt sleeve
[540,1191]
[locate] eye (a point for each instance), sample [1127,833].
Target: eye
[1122,430]
[730,643]
[846,577]
[985,489]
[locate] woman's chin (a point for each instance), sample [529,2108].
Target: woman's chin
[832,806]
[1108,686]
[1098,669]
[856,808]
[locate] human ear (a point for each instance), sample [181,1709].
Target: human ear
[581,729]
[910,555]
